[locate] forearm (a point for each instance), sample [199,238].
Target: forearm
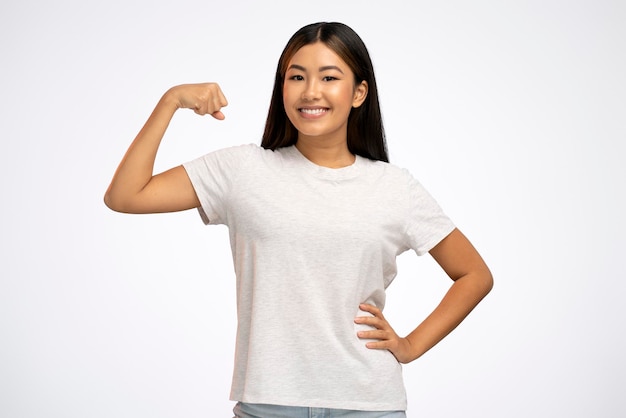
[462,297]
[136,168]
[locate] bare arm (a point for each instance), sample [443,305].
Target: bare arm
[472,282]
[134,188]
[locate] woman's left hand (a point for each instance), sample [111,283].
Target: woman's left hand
[386,337]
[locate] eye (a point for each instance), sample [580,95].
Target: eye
[296,77]
[329,78]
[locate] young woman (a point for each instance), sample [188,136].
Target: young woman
[316,218]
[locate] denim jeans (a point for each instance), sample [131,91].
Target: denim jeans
[249,410]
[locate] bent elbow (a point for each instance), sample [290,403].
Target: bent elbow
[486,282]
[112,203]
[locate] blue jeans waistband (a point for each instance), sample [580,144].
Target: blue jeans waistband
[248,410]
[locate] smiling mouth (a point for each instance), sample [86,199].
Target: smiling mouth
[317,111]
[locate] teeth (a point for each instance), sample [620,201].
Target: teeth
[313,111]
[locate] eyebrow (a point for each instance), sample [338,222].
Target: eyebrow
[321,69]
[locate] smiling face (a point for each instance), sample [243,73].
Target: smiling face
[318,93]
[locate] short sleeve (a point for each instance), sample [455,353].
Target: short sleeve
[427,224]
[213,176]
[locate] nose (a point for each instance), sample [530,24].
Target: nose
[311,90]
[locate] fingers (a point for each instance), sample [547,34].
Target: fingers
[203,99]
[218,115]
[381,338]
[382,330]
[210,101]
[385,338]
[371,309]
[216,102]
[377,320]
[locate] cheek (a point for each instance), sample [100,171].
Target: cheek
[288,106]
[288,96]
[345,94]
[347,100]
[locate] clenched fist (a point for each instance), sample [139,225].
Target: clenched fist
[203,98]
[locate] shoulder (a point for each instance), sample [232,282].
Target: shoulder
[233,155]
[258,152]
[387,172]
[397,182]
[243,150]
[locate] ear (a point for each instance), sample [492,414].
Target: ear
[360,93]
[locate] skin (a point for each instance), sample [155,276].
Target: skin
[472,281]
[134,188]
[317,80]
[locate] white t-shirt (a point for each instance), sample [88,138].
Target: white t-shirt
[310,244]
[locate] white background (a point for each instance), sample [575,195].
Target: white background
[511,113]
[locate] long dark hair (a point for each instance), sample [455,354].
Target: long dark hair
[366,135]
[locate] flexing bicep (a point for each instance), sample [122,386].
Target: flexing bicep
[170,191]
[134,188]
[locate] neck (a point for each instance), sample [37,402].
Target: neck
[331,154]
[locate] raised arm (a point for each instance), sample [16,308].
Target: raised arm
[134,188]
